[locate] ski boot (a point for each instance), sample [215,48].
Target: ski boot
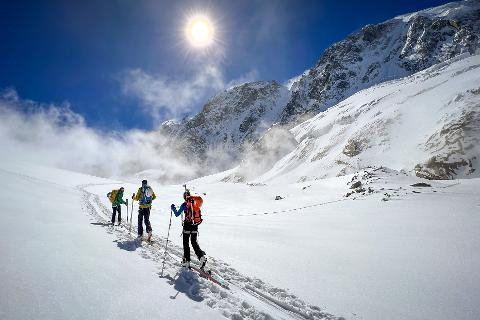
[185,263]
[203,262]
[149,237]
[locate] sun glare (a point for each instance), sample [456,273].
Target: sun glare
[199,31]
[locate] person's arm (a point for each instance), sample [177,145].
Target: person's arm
[137,196]
[180,210]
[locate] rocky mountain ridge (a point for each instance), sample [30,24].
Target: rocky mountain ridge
[390,50]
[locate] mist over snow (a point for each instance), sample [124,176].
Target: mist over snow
[57,136]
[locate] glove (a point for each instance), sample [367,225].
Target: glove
[173,207]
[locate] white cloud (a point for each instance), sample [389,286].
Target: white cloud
[250,76]
[164,97]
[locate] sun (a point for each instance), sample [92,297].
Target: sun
[199,31]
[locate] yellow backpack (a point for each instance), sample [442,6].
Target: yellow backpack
[112,195]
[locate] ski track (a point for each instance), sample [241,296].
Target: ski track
[238,297]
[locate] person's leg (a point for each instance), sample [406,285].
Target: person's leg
[140,222]
[198,252]
[146,216]
[119,209]
[114,209]
[186,245]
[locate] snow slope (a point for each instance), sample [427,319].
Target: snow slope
[427,124]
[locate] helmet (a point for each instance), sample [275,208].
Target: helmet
[144,182]
[186,194]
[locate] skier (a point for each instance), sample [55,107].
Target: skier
[145,196]
[116,197]
[191,208]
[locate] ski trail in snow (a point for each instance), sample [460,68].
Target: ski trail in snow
[240,296]
[279,211]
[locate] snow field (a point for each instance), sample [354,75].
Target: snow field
[414,256]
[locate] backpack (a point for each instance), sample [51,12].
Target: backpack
[146,196]
[112,195]
[194,213]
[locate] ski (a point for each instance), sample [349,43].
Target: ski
[207,274]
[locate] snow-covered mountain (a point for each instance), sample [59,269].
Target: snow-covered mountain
[390,50]
[232,121]
[427,124]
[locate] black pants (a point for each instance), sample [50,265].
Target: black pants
[191,232]
[144,214]
[115,209]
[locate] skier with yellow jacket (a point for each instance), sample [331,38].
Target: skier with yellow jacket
[144,196]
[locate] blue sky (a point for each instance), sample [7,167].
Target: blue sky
[126,64]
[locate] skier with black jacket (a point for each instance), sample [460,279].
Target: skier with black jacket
[192,218]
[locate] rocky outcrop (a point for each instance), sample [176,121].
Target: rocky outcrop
[454,145]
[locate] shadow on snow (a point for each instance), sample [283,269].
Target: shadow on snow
[186,282]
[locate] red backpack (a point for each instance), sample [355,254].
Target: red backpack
[194,214]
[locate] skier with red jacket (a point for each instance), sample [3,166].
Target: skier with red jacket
[191,220]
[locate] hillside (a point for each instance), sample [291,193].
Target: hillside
[427,125]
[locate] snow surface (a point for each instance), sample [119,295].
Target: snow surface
[312,255]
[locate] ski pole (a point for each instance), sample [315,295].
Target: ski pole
[131,213]
[127,209]
[166,243]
